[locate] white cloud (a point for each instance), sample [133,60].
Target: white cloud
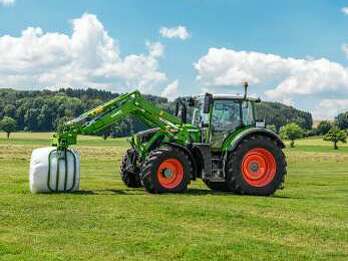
[292,77]
[155,49]
[175,32]
[88,57]
[330,108]
[171,91]
[345,10]
[7,2]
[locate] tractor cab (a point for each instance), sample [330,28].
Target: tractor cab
[221,115]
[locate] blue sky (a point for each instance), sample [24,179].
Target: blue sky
[308,65]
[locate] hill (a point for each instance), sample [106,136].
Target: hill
[279,114]
[43,110]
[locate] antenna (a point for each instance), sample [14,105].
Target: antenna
[245,84]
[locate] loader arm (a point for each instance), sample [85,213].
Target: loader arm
[103,116]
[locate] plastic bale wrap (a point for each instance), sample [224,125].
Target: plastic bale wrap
[43,173]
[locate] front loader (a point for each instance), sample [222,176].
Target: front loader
[220,145]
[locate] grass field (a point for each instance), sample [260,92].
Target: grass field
[308,220]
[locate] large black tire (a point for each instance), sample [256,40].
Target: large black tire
[153,176]
[217,186]
[238,171]
[129,172]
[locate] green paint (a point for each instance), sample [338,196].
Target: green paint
[131,104]
[170,128]
[233,137]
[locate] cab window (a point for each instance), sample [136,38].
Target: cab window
[198,117]
[248,113]
[226,115]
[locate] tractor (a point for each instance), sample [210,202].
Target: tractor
[211,137]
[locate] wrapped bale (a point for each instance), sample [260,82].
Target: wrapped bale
[54,171]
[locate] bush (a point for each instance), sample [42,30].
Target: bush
[311,133]
[291,131]
[272,127]
[324,127]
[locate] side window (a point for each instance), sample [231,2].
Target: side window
[226,115]
[196,119]
[199,117]
[247,112]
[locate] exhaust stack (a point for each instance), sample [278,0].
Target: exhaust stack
[245,84]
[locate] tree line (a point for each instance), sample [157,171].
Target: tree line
[45,110]
[334,132]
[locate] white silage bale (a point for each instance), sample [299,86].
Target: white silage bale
[38,173]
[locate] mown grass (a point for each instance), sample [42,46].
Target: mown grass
[308,220]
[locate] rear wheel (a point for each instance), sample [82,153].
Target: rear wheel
[129,171]
[166,169]
[256,167]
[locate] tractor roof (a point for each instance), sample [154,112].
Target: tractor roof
[231,97]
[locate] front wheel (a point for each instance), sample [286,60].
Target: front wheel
[256,167]
[166,169]
[129,171]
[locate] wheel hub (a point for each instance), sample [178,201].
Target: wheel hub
[254,166]
[168,173]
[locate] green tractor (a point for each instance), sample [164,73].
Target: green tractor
[221,144]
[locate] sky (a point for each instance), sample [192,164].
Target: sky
[294,52]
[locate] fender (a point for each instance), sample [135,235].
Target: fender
[232,140]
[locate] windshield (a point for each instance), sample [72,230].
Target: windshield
[226,115]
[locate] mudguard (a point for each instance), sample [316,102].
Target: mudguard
[232,141]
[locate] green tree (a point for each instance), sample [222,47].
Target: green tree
[291,131]
[10,110]
[43,110]
[336,135]
[8,125]
[324,127]
[272,127]
[342,120]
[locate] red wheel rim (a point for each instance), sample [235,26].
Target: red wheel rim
[259,167]
[170,173]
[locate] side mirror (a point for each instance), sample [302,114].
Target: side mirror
[208,101]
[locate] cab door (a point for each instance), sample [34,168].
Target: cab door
[226,117]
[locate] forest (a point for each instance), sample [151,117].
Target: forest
[39,111]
